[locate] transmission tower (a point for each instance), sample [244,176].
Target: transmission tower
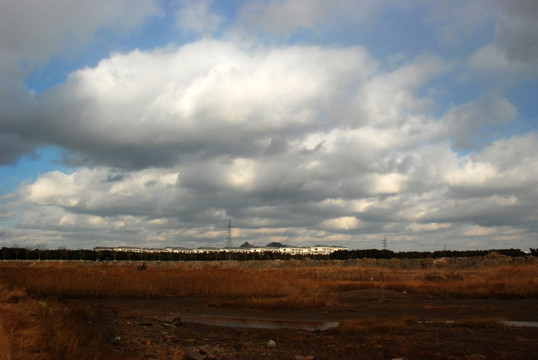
[229,234]
[384,243]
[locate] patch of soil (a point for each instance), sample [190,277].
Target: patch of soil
[374,324]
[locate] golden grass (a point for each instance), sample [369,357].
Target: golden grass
[502,281]
[255,287]
[293,286]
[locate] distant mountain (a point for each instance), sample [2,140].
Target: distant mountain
[246,245]
[275,244]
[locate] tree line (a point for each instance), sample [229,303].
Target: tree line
[26,254]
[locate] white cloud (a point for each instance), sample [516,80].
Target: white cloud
[489,59]
[341,223]
[287,16]
[478,117]
[458,21]
[56,188]
[388,99]
[32,33]
[208,93]
[34,30]
[295,143]
[480,231]
[391,183]
[514,49]
[505,164]
[516,31]
[198,17]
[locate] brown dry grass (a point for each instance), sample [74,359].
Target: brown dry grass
[501,281]
[74,280]
[294,286]
[73,332]
[32,329]
[18,328]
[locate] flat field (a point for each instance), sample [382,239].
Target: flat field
[368,309]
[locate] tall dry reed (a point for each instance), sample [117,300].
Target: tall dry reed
[257,287]
[297,286]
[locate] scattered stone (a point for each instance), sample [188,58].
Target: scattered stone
[271,344]
[209,352]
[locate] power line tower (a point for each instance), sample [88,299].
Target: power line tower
[229,234]
[384,243]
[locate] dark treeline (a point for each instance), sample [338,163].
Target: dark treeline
[387,254]
[26,254]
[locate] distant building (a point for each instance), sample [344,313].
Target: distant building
[245,248]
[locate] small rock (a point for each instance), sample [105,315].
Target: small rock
[271,344]
[209,352]
[177,321]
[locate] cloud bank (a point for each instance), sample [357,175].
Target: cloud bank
[294,141]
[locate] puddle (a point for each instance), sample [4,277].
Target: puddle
[507,323]
[228,321]
[521,323]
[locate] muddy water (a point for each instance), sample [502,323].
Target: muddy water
[257,323]
[506,323]
[521,323]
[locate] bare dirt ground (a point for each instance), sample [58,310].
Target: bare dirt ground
[373,324]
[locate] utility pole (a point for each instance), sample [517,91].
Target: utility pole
[229,235]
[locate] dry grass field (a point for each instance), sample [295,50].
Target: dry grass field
[46,312]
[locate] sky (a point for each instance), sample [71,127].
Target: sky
[152,123]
